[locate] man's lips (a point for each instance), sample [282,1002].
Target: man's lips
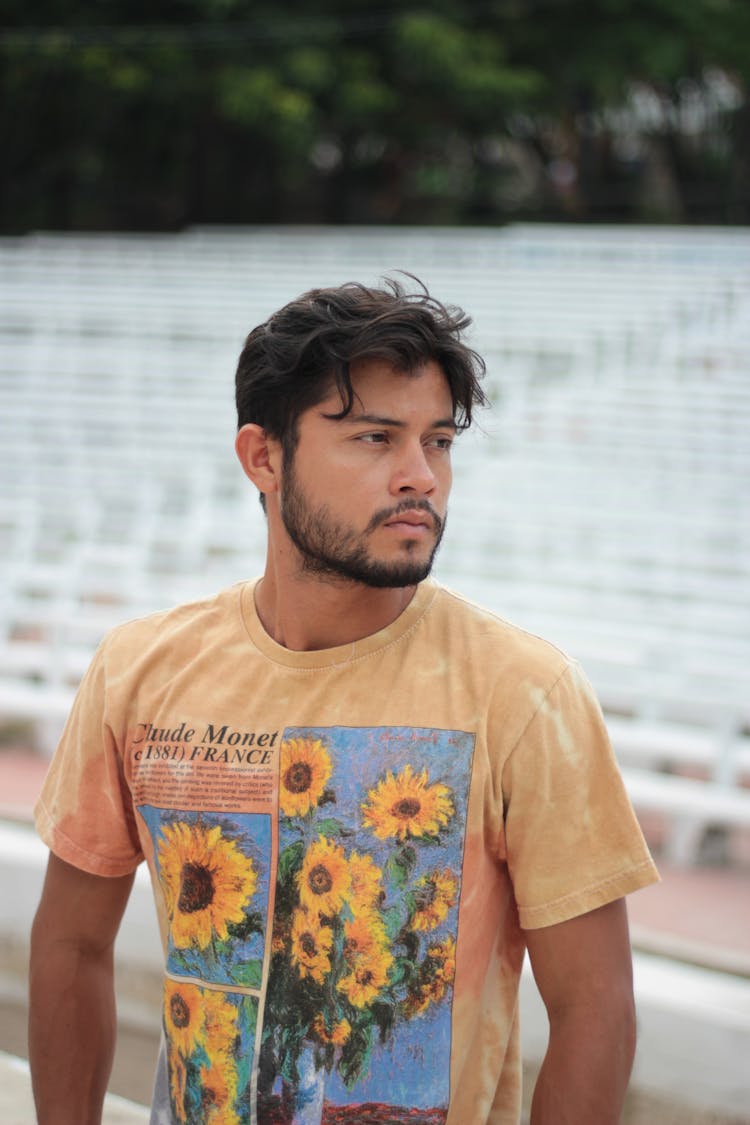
[414,519]
[411,519]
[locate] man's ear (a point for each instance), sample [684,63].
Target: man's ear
[260,457]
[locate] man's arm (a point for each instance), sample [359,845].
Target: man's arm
[583,969]
[72,1006]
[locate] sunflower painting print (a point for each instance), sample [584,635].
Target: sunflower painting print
[407,805]
[213,872]
[207,882]
[305,769]
[209,1038]
[372,826]
[324,879]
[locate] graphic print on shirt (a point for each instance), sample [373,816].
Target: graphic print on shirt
[357,1008]
[209,1037]
[214,874]
[213,869]
[311,954]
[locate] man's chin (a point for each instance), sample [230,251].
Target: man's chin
[398,581]
[391,575]
[369,572]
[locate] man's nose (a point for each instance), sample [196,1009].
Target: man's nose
[413,473]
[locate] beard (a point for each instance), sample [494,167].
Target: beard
[333,551]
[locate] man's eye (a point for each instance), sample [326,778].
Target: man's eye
[374,439]
[442,442]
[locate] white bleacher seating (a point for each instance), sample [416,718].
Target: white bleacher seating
[604,502]
[691,807]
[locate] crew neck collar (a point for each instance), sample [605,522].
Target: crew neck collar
[340,654]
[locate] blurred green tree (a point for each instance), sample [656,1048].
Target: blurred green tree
[134,115]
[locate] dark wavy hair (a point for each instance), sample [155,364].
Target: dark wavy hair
[290,362]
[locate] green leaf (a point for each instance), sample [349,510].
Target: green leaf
[385,1018]
[410,941]
[330,827]
[400,865]
[356,1054]
[290,861]
[252,923]
[393,919]
[249,974]
[402,972]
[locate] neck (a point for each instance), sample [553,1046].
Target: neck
[304,612]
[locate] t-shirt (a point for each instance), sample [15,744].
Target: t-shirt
[345,847]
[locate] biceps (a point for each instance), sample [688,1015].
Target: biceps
[79,908]
[585,961]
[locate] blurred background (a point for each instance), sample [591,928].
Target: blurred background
[577,177]
[155,116]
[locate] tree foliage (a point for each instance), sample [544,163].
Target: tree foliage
[153,116]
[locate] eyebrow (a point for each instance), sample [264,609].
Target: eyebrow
[381,420]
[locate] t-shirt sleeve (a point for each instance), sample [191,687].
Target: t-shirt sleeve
[85,814]
[572,839]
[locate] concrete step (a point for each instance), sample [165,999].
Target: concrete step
[17,1105]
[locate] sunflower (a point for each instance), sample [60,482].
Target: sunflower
[434,895]
[366,887]
[280,937]
[428,991]
[338,1034]
[183,1016]
[416,1003]
[311,945]
[219,1024]
[177,1082]
[305,769]
[368,977]
[367,957]
[324,879]
[207,882]
[435,976]
[364,936]
[444,953]
[218,1094]
[407,806]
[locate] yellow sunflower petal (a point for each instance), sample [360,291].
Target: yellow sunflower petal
[305,767]
[337,1036]
[367,979]
[324,880]
[219,1024]
[366,881]
[183,1016]
[435,894]
[218,1094]
[208,882]
[177,1081]
[311,945]
[364,937]
[405,805]
[444,952]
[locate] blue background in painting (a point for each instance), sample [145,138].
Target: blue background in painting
[413,1069]
[252,835]
[247,1018]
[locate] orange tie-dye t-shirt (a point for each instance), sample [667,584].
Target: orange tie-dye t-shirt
[345,847]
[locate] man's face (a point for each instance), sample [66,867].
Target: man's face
[364,497]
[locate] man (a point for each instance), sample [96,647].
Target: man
[361,798]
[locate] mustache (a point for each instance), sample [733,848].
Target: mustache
[385,514]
